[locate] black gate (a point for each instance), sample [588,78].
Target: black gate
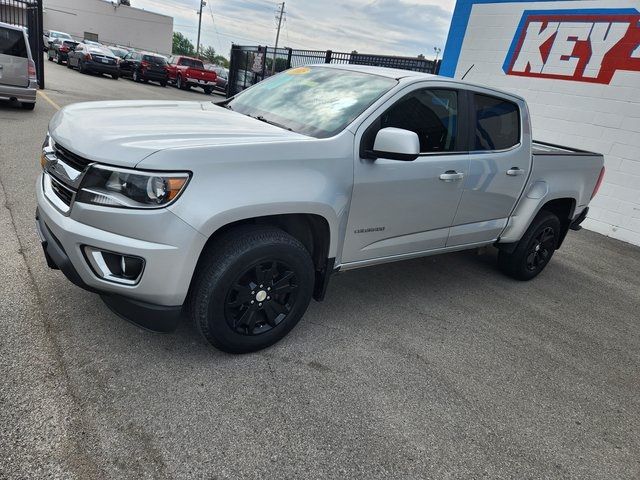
[28,14]
[250,64]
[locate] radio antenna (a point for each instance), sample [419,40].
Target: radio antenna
[465,74]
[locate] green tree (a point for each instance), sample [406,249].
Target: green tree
[209,54]
[221,60]
[182,45]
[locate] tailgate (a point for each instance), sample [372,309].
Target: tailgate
[201,75]
[14,71]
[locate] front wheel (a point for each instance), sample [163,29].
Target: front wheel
[534,251]
[251,289]
[135,77]
[163,84]
[58,59]
[208,90]
[115,76]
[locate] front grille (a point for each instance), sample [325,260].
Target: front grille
[71,159]
[62,192]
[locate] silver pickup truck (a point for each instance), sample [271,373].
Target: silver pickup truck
[238,213]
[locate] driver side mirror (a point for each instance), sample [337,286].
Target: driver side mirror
[396,144]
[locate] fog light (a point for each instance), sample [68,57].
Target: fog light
[115,267]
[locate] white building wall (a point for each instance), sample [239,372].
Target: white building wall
[599,117]
[120,24]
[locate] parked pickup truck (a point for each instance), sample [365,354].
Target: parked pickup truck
[186,72]
[237,214]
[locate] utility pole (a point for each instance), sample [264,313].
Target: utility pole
[202,4]
[279,17]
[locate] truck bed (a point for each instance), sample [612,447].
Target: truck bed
[543,148]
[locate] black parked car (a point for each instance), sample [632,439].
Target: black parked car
[144,67]
[223,76]
[94,59]
[59,50]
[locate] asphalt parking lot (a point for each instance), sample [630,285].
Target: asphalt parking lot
[432,368]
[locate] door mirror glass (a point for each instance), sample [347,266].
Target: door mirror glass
[396,144]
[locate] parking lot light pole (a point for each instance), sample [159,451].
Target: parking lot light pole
[202,4]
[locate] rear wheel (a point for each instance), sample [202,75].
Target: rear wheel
[49,56]
[251,289]
[534,251]
[135,76]
[81,67]
[69,63]
[58,59]
[208,90]
[163,84]
[115,76]
[28,106]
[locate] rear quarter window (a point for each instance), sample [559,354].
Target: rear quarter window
[497,123]
[12,43]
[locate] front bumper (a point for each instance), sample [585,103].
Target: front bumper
[21,94]
[168,245]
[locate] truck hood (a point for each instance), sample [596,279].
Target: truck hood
[124,133]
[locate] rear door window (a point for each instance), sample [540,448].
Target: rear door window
[12,43]
[497,123]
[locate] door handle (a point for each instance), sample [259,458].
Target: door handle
[451,176]
[515,171]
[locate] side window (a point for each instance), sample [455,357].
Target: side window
[432,114]
[497,123]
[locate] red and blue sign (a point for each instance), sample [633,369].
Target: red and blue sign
[578,45]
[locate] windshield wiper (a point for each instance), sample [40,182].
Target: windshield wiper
[271,122]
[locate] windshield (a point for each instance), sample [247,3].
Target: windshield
[61,35]
[314,101]
[154,59]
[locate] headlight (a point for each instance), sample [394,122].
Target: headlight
[119,187]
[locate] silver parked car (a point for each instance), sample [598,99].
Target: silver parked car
[239,213]
[18,80]
[50,35]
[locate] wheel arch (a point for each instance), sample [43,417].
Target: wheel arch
[311,229]
[562,205]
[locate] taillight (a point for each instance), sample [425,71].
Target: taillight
[31,70]
[87,56]
[598,183]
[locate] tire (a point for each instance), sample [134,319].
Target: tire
[208,90]
[28,106]
[163,84]
[180,84]
[69,64]
[81,67]
[115,76]
[227,304]
[58,59]
[534,251]
[135,76]
[49,56]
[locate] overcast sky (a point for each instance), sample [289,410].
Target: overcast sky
[394,27]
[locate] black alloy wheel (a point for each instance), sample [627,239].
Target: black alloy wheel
[541,249]
[533,252]
[261,298]
[252,286]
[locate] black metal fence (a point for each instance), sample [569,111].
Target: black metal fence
[252,64]
[28,14]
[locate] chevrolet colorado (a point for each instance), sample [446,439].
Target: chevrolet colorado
[238,213]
